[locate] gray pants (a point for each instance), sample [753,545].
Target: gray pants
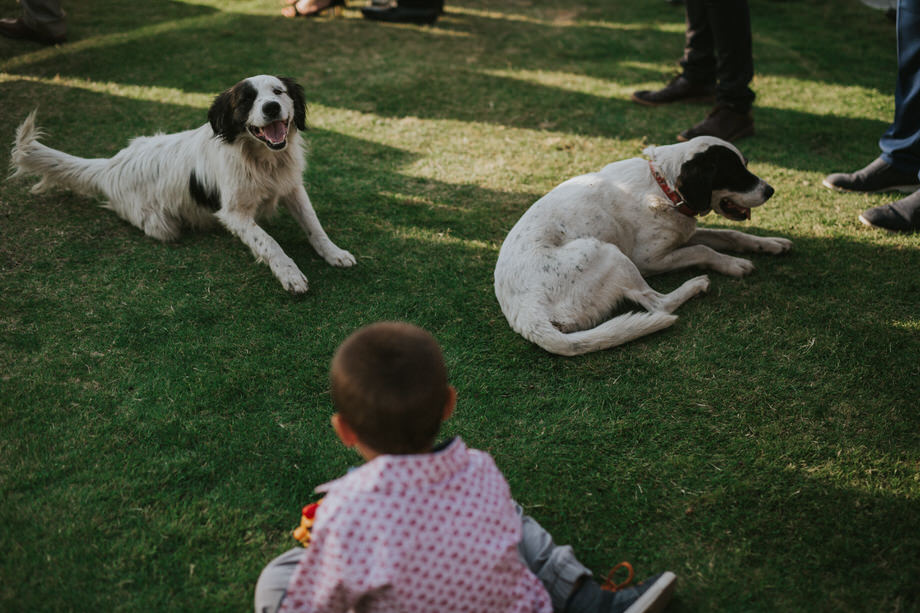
[555,566]
[45,16]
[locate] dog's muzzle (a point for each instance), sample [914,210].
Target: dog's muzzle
[274,135]
[736,211]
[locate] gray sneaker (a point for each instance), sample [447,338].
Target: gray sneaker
[650,596]
[879,176]
[900,216]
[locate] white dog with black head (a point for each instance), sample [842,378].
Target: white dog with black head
[234,170]
[583,249]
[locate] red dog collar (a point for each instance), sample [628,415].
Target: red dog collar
[673,195]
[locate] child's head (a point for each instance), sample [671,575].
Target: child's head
[389,386]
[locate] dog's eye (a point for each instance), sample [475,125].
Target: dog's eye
[278,92]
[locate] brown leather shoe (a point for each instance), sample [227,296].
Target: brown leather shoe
[16,28]
[722,122]
[679,89]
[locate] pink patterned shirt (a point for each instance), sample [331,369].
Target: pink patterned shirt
[426,533]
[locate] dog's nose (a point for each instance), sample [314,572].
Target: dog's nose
[767,192]
[271,109]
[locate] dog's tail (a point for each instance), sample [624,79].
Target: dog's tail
[30,157]
[613,332]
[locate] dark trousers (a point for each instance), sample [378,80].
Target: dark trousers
[46,16]
[422,4]
[718,50]
[900,144]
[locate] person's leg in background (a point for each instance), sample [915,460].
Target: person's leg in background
[898,166]
[900,144]
[724,27]
[42,21]
[697,79]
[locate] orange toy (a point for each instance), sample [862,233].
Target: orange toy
[302,532]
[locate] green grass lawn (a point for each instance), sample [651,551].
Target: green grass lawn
[164,411]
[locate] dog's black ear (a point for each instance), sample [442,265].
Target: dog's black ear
[695,181]
[220,116]
[230,111]
[295,91]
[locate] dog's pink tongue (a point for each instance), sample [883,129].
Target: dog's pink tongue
[276,131]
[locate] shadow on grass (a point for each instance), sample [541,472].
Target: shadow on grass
[448,72]
[363,199]
[838,534]
[356,186]
[212,439]
[165,409]
[732,491]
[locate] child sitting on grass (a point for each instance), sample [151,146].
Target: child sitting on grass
[420,527]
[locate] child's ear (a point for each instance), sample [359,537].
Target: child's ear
[344,431]
[451,403]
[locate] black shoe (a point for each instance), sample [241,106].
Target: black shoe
[679,89]
[879,176]
[407,11]
[17,28]
[722,122]
[401,14]
[650,596]
[900,216]
[422,4]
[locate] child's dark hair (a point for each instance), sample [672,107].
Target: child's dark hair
[389,384]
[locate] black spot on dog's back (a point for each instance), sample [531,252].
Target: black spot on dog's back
[210,199]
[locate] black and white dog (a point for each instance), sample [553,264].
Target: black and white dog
[234,170]
[582,249]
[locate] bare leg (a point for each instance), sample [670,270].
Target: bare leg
[305,7]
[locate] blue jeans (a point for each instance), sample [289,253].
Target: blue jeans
[900,144]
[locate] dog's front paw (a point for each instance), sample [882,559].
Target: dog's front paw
[699,285]
[291,278]
[735,267]
[340,257]
[296,286]
[775,244]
